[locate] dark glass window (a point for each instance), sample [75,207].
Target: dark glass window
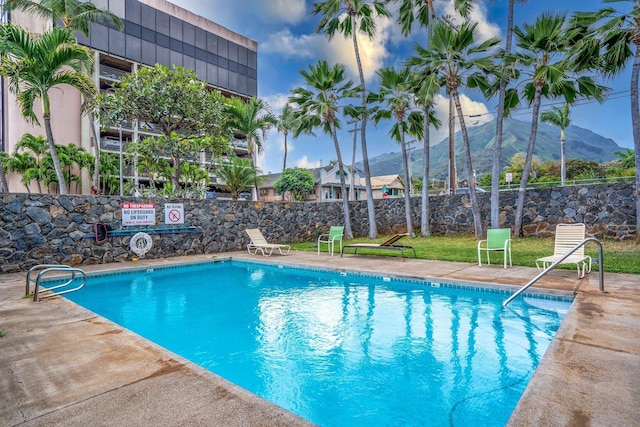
[147,16]
[212,43]
[188,33]
[212,58]
[253,87]
[233,82]
[243,70]
[212,74]
[201,69]
[134,51]
[201,54]
[148,53]
[223,63]
[233,67]
[82,39]
[201,38]
[223,78]
[162,56]
[175,45]
[175,26]
[176,58]
[233,52]
[100,37]
[253,73]
[242,84]
[116,42]
[148,35]
[162,40]
[132,29]
[188,62]
[243,55]
[223,48]
[162,23]
[188,49]
[132,11]
[253,59]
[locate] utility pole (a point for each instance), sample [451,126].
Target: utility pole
[354,131]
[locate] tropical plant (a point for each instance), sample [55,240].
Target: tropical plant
[75,15]
[37,148]
[252,119]
[110,176]
[318,106]
[285,125]
[614,42]
[396,98]
[559,117]
[238,174]
[24,164]
[351,17]
[626,157]
[35,64]
[452,55]
[296,181]
[547,73]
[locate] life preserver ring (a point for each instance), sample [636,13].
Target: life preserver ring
[140,243]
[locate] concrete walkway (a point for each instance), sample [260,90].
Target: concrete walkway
[63,365]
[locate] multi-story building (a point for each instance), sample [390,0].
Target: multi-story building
[156,31]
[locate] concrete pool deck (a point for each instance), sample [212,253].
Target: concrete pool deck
[63,365]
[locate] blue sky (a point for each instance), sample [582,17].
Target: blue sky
[288,43]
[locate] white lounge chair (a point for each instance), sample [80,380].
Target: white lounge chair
[568,236]
[259,243]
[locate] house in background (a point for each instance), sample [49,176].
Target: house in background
[327,185]
[386,186]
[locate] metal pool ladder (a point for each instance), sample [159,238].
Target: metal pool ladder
[552,266]
[51,291]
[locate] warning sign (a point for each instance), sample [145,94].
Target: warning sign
[173,213]
[138,214]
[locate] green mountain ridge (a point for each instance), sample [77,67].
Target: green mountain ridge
[580,144]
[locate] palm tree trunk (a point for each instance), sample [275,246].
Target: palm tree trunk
[497,148]
[475,207]
[96,167]
[407,184]
[284,163]
[62,185]
[452,150]
[343,185]
[373,228]
[537,99]
[4,187]
[425,211]
[563,161]
[635,120]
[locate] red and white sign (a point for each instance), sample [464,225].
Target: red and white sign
[138,214]
[173,213]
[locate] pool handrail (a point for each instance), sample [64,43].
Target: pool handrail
[558,261]
[27,290]
[65,269]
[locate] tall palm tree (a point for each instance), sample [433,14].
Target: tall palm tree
[547,72]
[351,17]
[34,64]
[559,117]
[252,119]
[617,40]
[287,123]
[397,101]
[74,15]
[452,55]
[318,106]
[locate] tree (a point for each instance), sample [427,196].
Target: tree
[35,64]
[296,181]
[190,117]
[75,15]
[396,99]
[238,174]
[559,117]
[252,119]
[37,148]
[4,187]
[615,40]
[453,54]
[626,158]
[543,59]
[318,106]
[286,124]
[350,17]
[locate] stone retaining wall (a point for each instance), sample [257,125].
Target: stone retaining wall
[44,229]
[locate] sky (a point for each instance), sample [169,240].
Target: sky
[288,42]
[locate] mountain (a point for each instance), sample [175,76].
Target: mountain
[580,143]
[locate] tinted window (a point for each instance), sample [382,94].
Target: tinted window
[162,56]
[233,67]
[162,22]
[162,40]
[134,51]
[201,69]
[175,25]
[132,11]
[243,55]
[116,42]
[212,43]
[233,82]
[132,29]
[188,62]
[253,59]
[188,33]
[212,74]
[175,45]
[148,55]
[233,52]
[188,49]
[201,38]
[223,77]
[148,35]
[100,37]
[176,58]
[147,16]
[223,63]
[253,87]
[223,48]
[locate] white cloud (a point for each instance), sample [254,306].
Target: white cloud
[276,102]
[469,108]
[485,29]
[285,11]
[304,162]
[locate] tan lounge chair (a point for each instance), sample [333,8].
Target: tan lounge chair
[259,243]
[568,236]
[388,245]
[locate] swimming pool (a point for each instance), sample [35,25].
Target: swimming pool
[340,349]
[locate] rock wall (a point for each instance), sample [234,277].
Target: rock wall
[45,229]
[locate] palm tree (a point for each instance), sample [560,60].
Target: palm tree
[616,40]
[238,174]
[626,158]
[37,148]
[287,123]
[453,54]
[318,106]
[397,102]
[252,119]
[4,187]
[75,15]
[543,56]
[559,117]
[34,64]
[350,17]
[25,164]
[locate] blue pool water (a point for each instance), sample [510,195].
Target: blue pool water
[336,349]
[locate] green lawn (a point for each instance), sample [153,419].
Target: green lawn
[619,257]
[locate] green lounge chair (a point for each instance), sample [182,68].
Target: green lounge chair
[334,236]
[498,240]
